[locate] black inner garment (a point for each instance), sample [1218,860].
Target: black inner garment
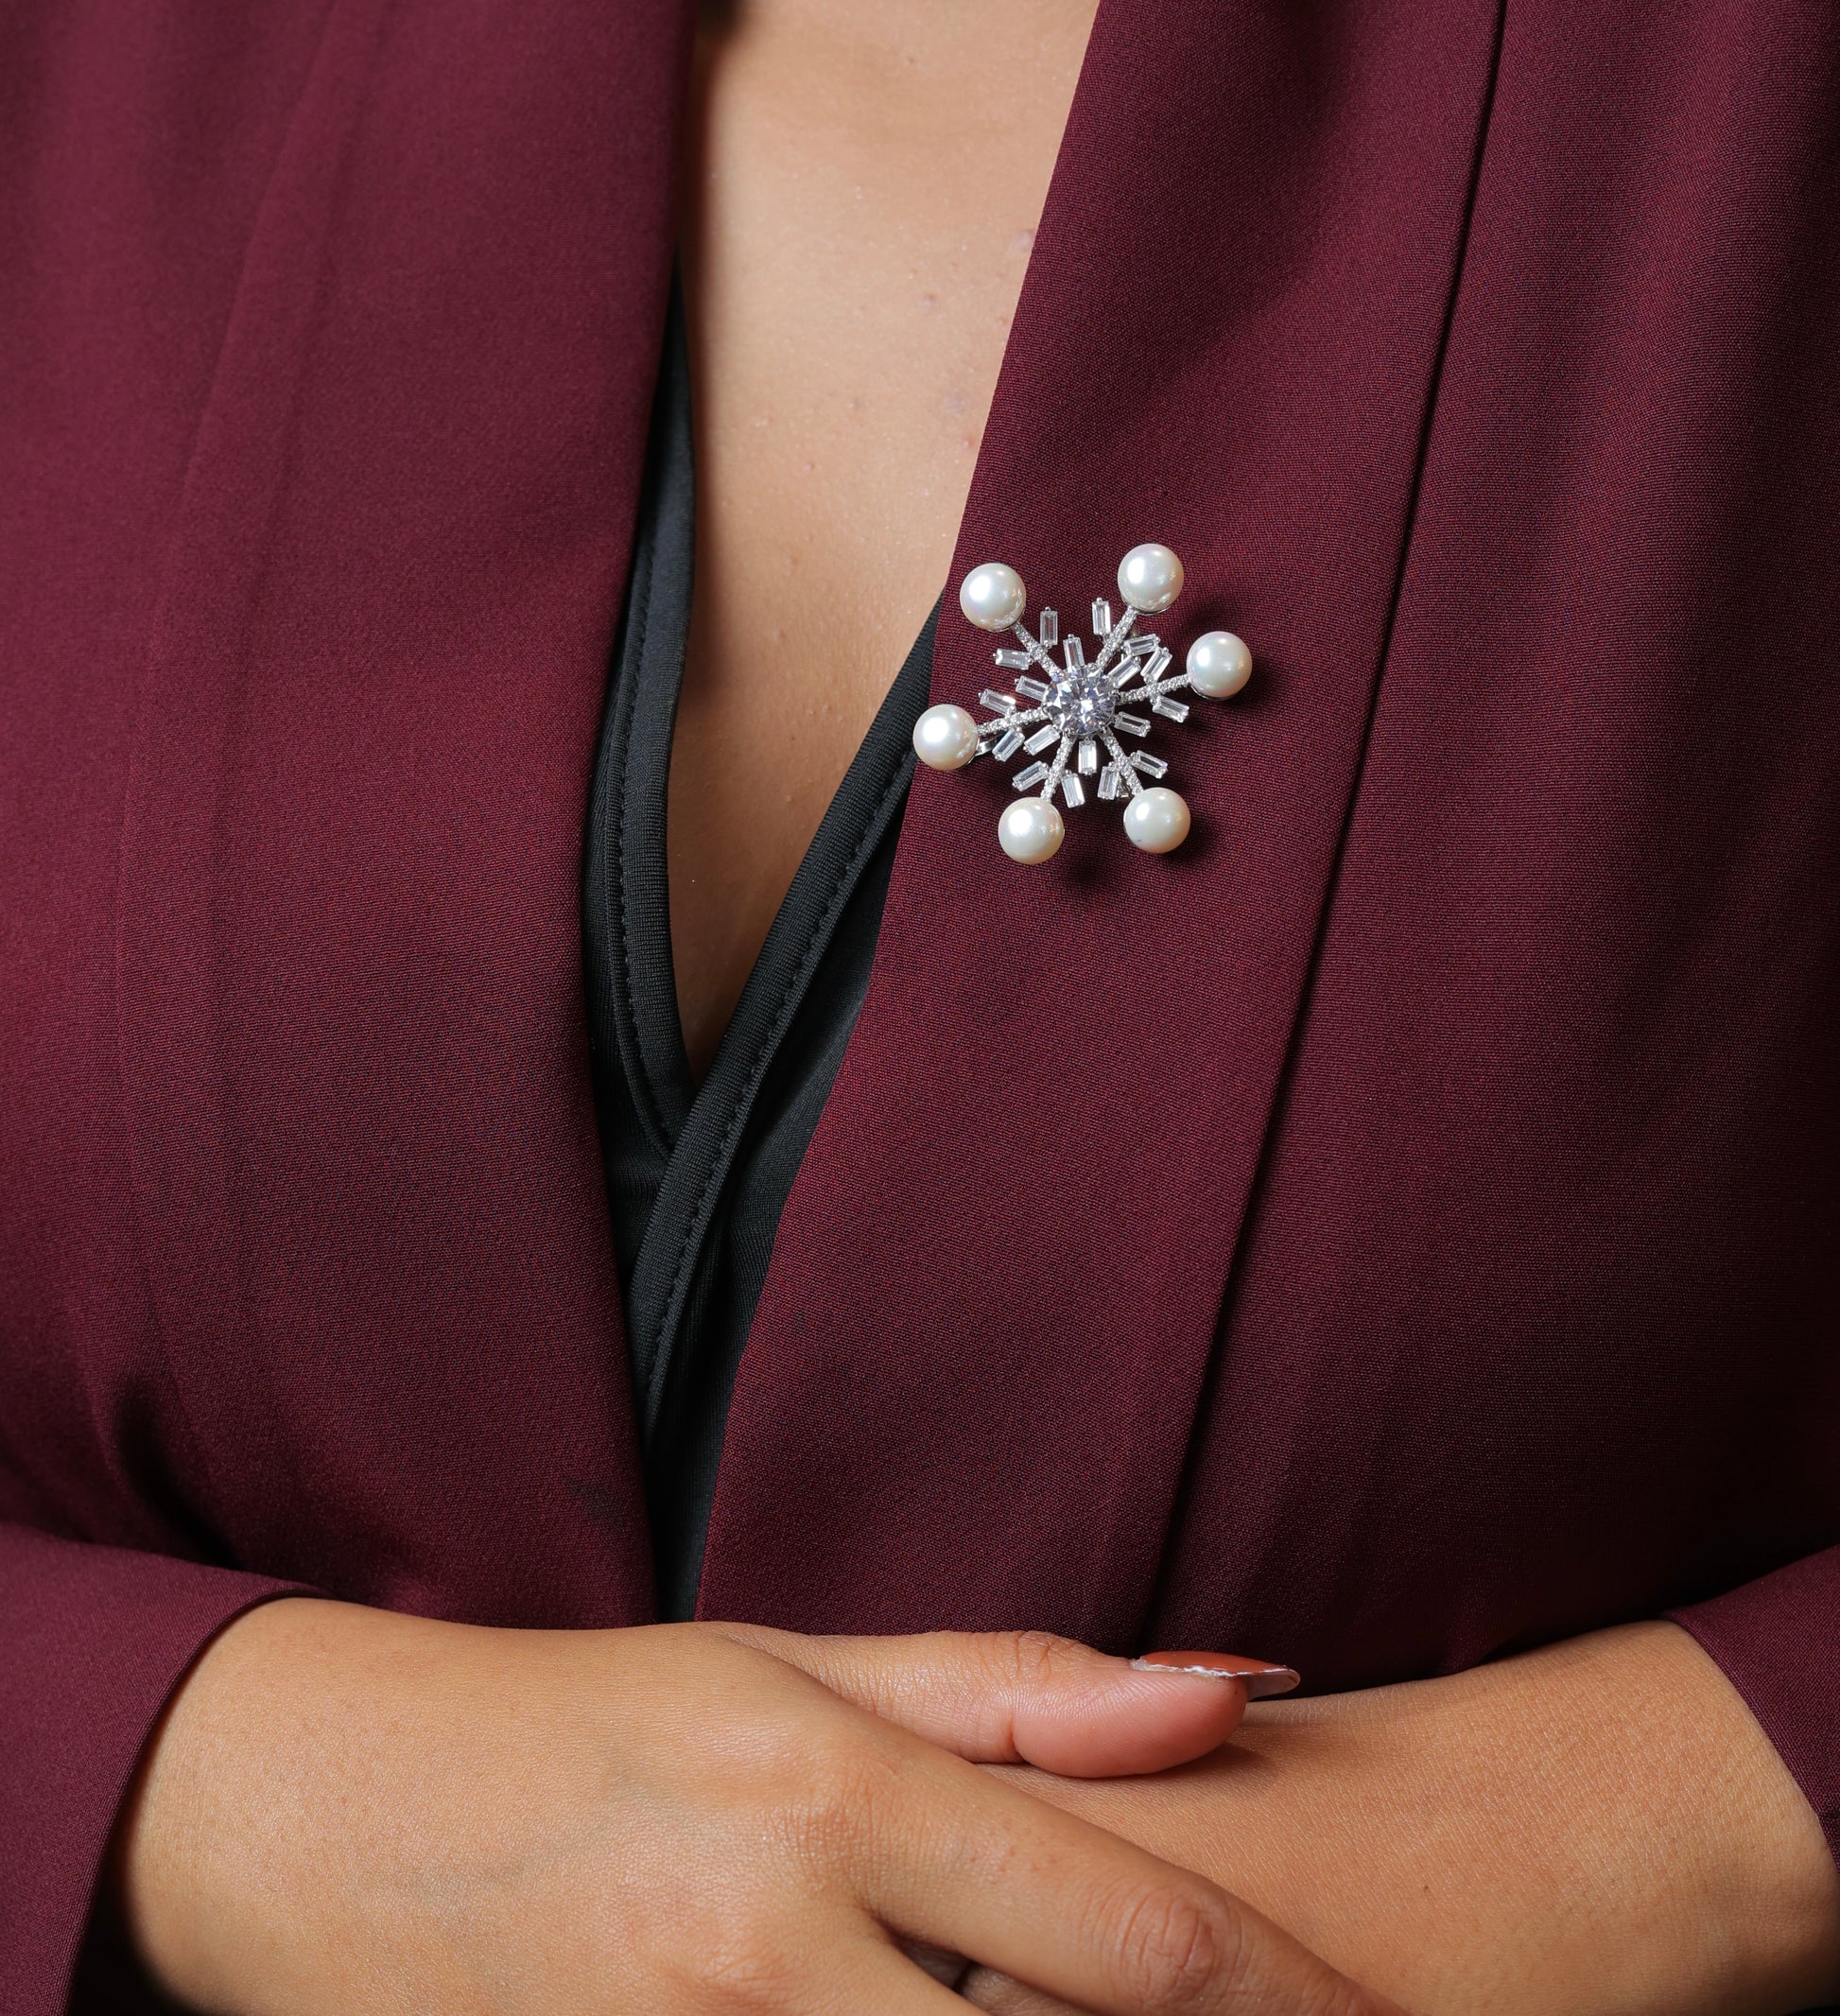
[697,1176]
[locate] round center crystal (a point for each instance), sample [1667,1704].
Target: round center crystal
[1081,702]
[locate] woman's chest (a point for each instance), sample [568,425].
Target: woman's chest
[862,192]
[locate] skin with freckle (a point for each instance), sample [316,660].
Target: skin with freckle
[863,186]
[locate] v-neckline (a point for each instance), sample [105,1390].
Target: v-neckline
[698,1173]
[634,794]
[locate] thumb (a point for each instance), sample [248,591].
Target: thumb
[1029,1697]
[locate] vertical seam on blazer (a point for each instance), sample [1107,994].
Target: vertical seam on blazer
[1288,1066]
[150,654]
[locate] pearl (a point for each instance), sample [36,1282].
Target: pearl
[1219,664]
[1156,819]
[1150,578]
[1032,830]
[993,595]
[945,737]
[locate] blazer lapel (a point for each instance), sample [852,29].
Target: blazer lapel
[972,1378]
[352,1027]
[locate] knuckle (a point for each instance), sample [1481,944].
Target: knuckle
[1342,1997]
[750,1973]
[1039,1659]
[1180,1948]
[838,1799]
[725,1955]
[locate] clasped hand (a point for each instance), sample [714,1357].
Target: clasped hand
[347,1810]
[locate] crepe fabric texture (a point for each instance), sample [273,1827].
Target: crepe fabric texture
[1394,1229]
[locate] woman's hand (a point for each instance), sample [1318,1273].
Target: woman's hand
[1599,1827]
[347,1810]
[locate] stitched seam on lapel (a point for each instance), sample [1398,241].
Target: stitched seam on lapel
[1281,1084]
[643,1093]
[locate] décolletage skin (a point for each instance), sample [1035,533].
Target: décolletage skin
[505,1800]
[861,195]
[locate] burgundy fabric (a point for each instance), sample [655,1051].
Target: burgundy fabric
[329,340]
[1397,1228]
[1774,1639]
[1400,1227]
[96,1638]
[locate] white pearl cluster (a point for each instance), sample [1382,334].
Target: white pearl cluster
[1156,819]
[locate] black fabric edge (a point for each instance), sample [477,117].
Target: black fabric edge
[626,869]
[873,790]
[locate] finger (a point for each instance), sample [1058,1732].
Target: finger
[947,1968]
[999,1995]
[871,1974]
[1029,1697]
[843,1966]
[961,1861]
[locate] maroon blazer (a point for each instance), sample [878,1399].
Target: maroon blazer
[1398,1229]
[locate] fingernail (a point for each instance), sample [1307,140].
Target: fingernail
[1259,1676]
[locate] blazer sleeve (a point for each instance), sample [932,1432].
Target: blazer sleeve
[1778,1640]
[94,1640]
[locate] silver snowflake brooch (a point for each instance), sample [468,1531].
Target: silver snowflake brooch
[1075,708]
